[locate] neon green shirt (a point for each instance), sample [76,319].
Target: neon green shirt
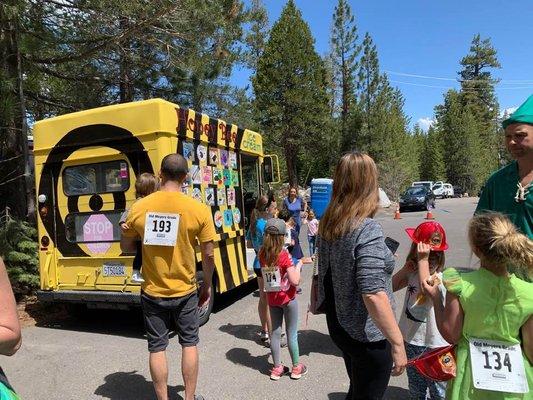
[495,308]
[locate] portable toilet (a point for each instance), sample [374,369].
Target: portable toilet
[321,190]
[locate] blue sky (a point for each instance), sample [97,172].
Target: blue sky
[429,38]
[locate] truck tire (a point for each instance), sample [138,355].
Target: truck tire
[205,312]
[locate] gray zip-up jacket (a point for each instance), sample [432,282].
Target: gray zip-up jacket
[360,263]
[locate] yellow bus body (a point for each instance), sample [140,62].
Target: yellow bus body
[85,167]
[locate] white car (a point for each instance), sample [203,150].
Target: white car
[443,190]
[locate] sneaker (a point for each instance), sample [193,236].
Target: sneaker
[198,397]
[298,371]
[263,335]
[278,372]
[283,340]
[136,277]
[299,290]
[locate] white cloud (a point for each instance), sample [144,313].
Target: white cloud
[506,112]
[425,123]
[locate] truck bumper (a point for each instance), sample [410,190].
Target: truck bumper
[87,296]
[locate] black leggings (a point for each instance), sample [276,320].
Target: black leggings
[368,364]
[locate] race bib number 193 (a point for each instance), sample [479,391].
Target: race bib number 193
[161,229]
[497,366]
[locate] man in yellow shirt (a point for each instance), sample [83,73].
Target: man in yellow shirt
[170,224]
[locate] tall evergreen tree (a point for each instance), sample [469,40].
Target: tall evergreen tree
[368,88]
[459,130]
[344,54]
[477,90]
[431,157]
[289,87]
[257,35]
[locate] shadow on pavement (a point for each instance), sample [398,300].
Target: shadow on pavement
[392,393]
[243,357]
[132,386]
[312,341]
[396,393]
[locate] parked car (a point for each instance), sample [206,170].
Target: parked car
[417,197]
[442,190]
[458,191]
[428,184]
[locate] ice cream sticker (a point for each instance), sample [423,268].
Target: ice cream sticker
[213,156]
[231,197]
[196,175]
[224,157]
[237,216]
[201,152]
[228,218]
[188,151]
[221,197]
[210,196]
[218,219]
[207,175]
[227,177]
[233,160]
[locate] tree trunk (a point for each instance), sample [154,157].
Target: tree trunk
[14,151]
[126,79]
[290,158]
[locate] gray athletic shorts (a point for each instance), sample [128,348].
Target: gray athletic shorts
[163,314]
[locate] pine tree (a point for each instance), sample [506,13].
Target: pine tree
[477,91]
[459,130]
[256,37]
[290,94]
[344,54]
[368,87]
[431,157]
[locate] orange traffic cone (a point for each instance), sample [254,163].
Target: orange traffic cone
[397,213]
[429,215]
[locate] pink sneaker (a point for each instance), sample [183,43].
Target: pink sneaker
[298,371]
[278,371]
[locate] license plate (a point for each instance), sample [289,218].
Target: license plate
[113,269]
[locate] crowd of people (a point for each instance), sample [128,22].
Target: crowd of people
[474,329]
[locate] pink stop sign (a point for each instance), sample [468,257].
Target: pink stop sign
[98,229]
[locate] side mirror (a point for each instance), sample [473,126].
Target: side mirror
[271,169]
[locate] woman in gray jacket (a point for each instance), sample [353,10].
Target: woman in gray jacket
[355,271]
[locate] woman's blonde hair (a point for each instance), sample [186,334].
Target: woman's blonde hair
[497,241]
[355,195]
[436,258]
[271,248]
[146,184]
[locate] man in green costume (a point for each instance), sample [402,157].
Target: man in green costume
[510,189]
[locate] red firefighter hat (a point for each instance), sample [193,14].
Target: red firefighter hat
[429,232]
[438,364]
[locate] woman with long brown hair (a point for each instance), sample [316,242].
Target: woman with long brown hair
[355,280]
[265,208]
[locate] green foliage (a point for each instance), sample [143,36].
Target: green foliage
[290,94]
[431,157]
[344,56]
[18,247]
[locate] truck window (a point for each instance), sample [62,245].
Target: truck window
[93,227]
[250,184]
[112,176]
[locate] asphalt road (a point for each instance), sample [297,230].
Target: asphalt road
[103,355]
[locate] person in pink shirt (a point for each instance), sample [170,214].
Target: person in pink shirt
[312,230]
[281,278]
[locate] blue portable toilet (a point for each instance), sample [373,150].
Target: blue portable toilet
[321,190]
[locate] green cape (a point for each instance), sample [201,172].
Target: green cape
[524,114]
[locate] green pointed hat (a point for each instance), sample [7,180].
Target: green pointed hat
[524,114]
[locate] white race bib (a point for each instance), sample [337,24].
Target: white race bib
[272,279]
[497,366]
[161,229]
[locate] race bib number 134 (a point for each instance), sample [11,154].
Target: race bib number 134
[497,366]
[161,229]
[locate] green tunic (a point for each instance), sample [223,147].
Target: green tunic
[499,195]
[495,308]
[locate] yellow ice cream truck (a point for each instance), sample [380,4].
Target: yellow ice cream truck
[86,164]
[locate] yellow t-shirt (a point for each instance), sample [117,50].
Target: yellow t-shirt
[170,271]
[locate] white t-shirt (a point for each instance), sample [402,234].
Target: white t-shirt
[418,323]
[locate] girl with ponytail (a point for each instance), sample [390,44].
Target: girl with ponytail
[488,313]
